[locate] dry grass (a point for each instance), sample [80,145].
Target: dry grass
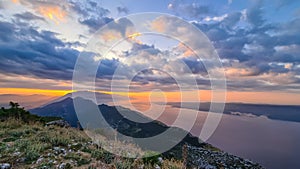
[32,145]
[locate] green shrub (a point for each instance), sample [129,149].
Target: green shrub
[68,166]
[22,145]
[83,161]
[76,146]
[59,141]
[16,134]
[126,164]
[151,157]
[97,154]
[86,149]
[108,157]
[31,155]
[10,139]
[80,160]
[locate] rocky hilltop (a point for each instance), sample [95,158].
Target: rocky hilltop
[28,142]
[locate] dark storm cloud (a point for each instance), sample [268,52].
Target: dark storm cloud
[26,51]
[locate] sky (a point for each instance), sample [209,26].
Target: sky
[258,42]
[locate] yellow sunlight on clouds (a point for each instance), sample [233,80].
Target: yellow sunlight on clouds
[15,1]
[54,13]
[133,36]
[28,91]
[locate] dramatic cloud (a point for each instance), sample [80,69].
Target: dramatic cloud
[259,54]
[194,10]
[27,16]
[255,13]
[91,13]
[27,51]
[52,10]
[256,52]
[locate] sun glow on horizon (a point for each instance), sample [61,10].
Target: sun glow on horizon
[174,96]
[258,97]
[30,91]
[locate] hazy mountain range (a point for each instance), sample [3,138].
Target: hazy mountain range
[200,153]
[65,109]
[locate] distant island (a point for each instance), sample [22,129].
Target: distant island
[275,112]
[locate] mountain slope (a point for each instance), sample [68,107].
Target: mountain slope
[199,154]
[65,109]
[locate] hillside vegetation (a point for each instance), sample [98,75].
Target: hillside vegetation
[28,141]
[25,142]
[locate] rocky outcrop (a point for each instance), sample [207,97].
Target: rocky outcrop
[5,166]
[60,123]
[202,158]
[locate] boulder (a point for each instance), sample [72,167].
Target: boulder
[60,123]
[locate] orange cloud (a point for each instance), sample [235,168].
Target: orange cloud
[159,25]
[132,37]
[186,51]
[237,72]
[15,1]
[111,35]
[54,13]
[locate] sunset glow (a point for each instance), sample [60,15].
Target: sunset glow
[28,91]
[214,84]
[54,13]
[39,57]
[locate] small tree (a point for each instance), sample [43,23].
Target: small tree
[12,105]
[17,112]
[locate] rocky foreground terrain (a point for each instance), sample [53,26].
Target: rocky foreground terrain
[31,141]
[38,146]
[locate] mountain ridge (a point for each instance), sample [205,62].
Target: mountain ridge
[199,153]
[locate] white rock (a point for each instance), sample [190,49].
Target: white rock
[5,166]
[38,161]
[62,166]
[157,167]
